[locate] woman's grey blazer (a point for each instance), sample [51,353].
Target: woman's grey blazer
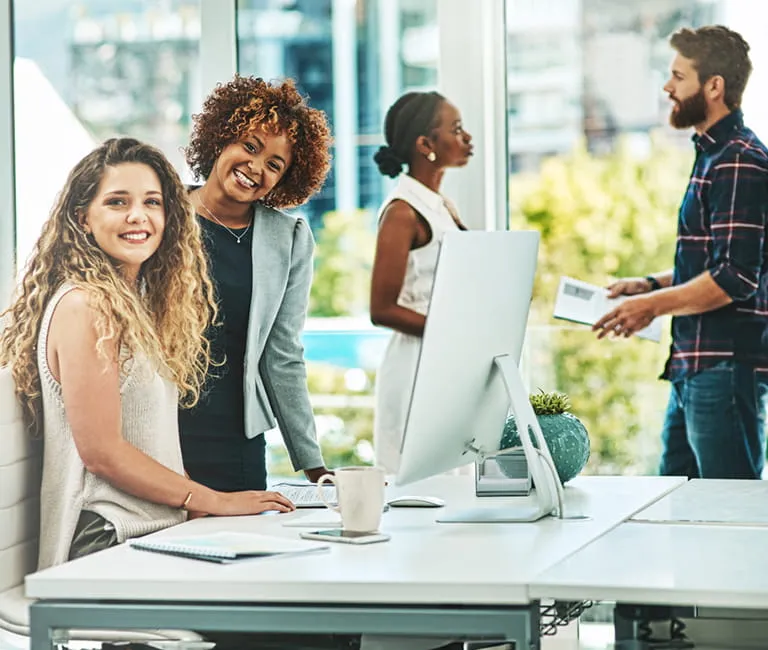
[275,374]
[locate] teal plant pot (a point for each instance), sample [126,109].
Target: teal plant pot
[566,438]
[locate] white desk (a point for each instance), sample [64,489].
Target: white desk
[430,579]
[712,501]
[701,546]
[678,564]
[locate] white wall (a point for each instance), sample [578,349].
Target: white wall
[749,18]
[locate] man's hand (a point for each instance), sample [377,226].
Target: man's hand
[629,317]
[629,287]
[314,474]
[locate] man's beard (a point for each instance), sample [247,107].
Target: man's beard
[690,111]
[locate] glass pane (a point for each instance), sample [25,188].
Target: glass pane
[597,169]
[89,70]
[352,59]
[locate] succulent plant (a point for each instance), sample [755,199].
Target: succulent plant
[552,403]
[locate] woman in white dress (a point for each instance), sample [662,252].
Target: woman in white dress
[424,133]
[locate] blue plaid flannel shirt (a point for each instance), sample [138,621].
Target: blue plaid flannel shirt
[722,229]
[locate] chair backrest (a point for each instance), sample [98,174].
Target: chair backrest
[20,475]
[21,465]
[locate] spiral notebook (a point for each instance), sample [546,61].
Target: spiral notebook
[224,547]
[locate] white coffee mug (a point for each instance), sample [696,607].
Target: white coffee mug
[360,495]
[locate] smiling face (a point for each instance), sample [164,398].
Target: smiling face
[247,169]
[451,144]
[127,217]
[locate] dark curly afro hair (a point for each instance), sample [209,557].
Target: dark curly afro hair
[246,104]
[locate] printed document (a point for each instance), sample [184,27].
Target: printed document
[586,303]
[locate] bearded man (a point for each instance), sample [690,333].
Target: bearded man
[717,292]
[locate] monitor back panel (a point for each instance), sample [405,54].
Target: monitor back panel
[479,309]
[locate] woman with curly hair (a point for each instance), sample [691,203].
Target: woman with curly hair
[424,132]
[258,147]
[104,339]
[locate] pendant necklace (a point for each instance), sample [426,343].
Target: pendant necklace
[218,221]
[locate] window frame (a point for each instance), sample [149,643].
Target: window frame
[472,72]
[7,172]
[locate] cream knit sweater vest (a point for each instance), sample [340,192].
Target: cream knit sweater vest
[149,419]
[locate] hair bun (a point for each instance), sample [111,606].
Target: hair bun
[388,161]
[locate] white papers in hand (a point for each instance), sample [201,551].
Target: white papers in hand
[586,303]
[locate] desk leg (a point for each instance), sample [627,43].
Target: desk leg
[41,632]
[639,627]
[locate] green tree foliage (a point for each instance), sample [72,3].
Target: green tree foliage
[340,287]
[345,428]
[602,218]
[343,260]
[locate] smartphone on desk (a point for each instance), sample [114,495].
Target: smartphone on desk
[345,536]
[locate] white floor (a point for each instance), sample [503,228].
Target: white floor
[11,641]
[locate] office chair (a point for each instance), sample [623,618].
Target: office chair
[20,475]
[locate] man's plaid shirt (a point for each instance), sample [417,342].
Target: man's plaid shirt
[722,229]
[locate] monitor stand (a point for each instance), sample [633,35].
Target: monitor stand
[548,494]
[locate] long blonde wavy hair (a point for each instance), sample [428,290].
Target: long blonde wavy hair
[165,319]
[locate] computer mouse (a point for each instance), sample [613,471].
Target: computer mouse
[410,501]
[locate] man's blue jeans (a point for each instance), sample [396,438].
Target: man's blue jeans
[715,424]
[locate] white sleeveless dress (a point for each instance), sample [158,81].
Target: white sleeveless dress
[395,376]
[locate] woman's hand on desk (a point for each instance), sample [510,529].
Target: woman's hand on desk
[253,502]
[195,514]
[248,502]
[313,475]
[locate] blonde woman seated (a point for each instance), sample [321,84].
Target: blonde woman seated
[104,339]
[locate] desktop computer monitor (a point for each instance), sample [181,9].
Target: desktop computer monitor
[467,377]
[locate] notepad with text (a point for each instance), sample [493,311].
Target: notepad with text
[581,302]
[226,546]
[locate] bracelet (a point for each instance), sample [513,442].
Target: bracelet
[184,505]
[655,284]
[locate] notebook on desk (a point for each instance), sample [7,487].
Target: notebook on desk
[224,547]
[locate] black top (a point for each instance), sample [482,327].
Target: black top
[215,449]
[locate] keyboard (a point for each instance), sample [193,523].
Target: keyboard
[305,495]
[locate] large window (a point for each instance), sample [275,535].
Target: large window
[89,70]
[593,164]
[353,59]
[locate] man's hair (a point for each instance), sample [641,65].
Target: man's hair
[717,51]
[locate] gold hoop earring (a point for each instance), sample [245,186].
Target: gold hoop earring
[431,156]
